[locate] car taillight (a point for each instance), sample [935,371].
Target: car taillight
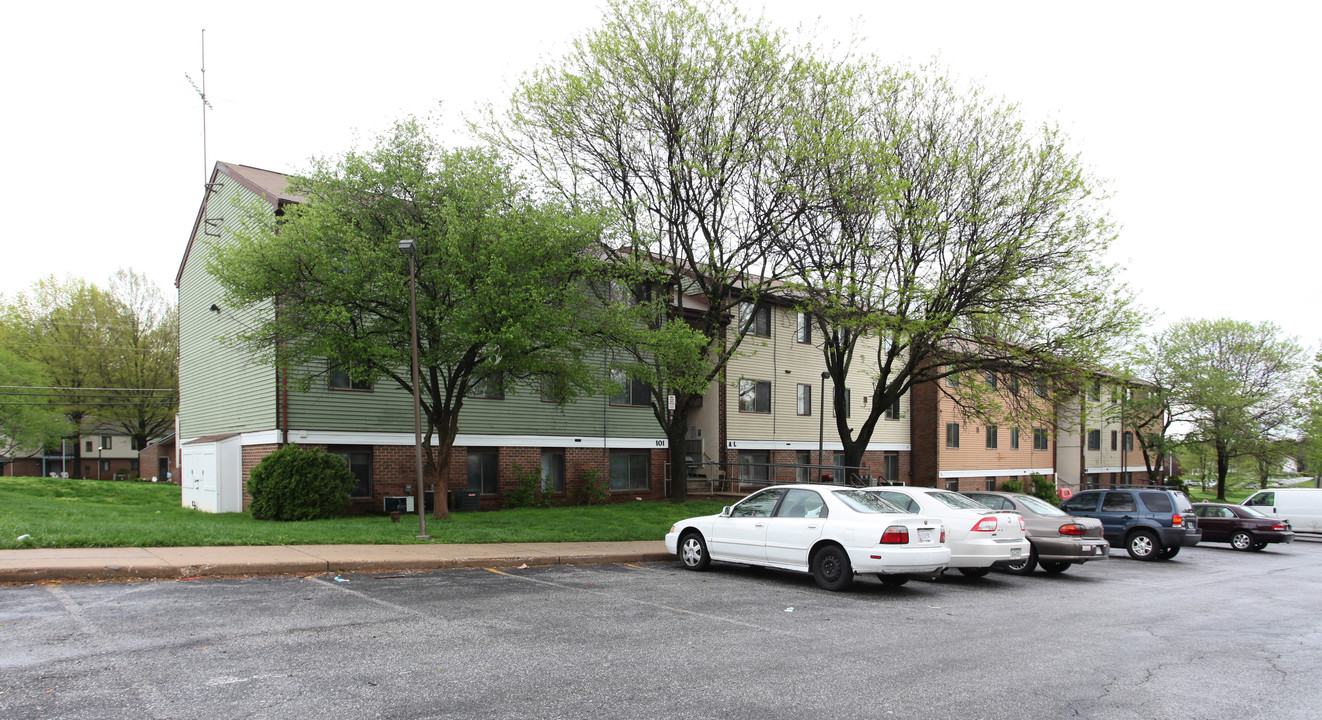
[1023,526]
[1072,529]
[1177,521]
[987,524]
[895,535]
[1278,526]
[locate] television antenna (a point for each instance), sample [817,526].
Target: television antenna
[206,104]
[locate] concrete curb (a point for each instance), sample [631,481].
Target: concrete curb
[92,564]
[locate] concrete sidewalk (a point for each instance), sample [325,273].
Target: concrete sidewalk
[18,566]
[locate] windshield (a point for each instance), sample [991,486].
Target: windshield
[957,501]
[1040,506]
[866,502]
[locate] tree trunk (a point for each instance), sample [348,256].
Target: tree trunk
[679,471]
[1222,469]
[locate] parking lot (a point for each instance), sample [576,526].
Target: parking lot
[1214,633]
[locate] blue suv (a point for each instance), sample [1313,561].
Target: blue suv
[1151,523]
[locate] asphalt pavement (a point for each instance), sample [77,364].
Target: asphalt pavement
[90,564]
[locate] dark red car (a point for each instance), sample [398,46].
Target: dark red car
[1243,527]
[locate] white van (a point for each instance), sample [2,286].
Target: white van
[1301,506]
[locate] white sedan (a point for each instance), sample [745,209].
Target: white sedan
[979,538]
[830,531]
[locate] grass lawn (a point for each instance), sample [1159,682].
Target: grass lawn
[104,513]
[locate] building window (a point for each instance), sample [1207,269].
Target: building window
[1014,438]
[1129,441]
[1014,385]
[1040,439]
[755,467]
[952,381]
[1040,386]
[1095,392]
[893,412]
[952,485]
[1094,439]
[952,435]
[754,396]
[992,439]
[1114,439]
[991,379]
[105,466]
[890,467]
[89,449]
[991,484]
[633,392]
[803,331]
[628,471]
[805,399]
[487,388]
[482,471]
[846,392]
[337,378]
[553,390]
[802,473]
[107,442]
[755,320]
[359,460]
[553,471]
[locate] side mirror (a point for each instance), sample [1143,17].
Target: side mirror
[725,511]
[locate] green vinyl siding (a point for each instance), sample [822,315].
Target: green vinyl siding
[388,408]
[222,389]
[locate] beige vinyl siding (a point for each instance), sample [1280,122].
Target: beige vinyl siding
[786,364]
[973,453]
[1104,415]
[222,389]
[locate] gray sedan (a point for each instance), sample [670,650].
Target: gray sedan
[1058,539]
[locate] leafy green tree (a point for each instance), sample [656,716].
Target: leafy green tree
[141,366]
[955,238]
[1309,450]
[500,279]
[674,119]
[1236,383]
[110,355]
[27,421]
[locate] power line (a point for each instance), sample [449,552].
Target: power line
[161,403]
[113,389]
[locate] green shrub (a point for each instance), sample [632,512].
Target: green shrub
[528,490]
[1012,486]
[1044,488]
[592,490]
[294,483]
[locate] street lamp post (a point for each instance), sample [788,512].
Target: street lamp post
[821,425]
[409,247]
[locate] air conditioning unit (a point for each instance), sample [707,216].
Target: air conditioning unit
[398,503]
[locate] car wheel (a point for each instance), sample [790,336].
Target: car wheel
[974,572]
[893,580]
[1024,566]
[693,551]
[831,569]
[1259,545]
[1242,540]
[1055,567]
[1143,545]
[1167,553]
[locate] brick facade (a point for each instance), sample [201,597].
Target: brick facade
[785,464]
[394,472]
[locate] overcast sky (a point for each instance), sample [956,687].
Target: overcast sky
[1200,115]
